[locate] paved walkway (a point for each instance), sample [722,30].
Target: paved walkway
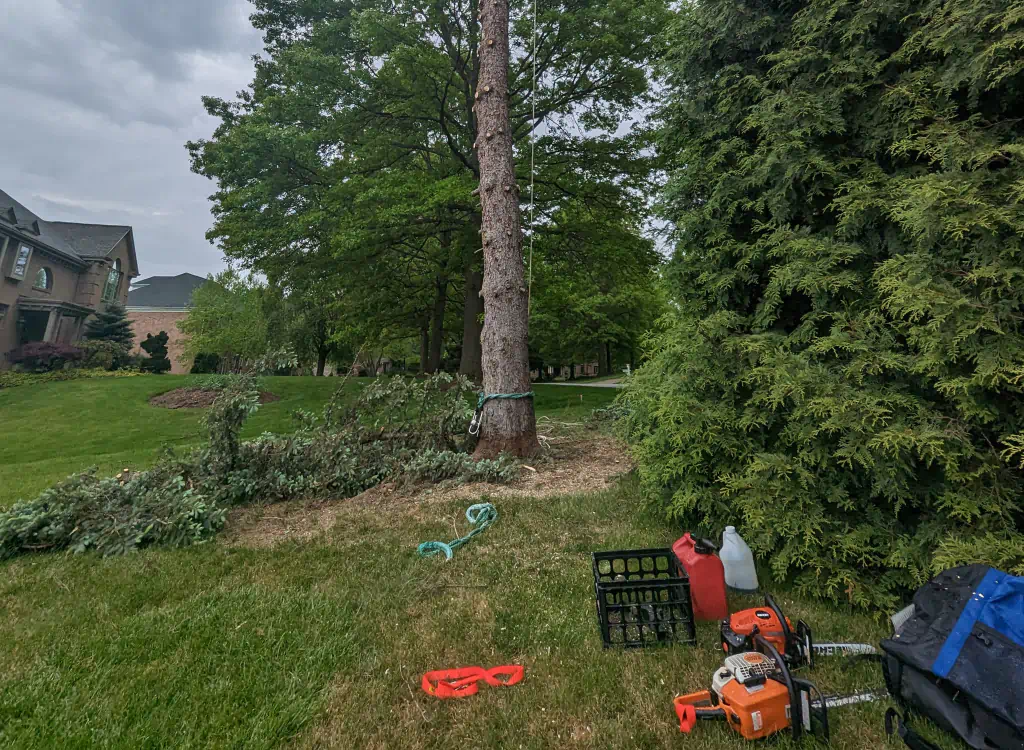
[602,384]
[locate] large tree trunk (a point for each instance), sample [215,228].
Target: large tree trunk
[437,325]
[321,361]
[471,365]
[508,425]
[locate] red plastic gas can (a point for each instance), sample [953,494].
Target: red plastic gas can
[707,577]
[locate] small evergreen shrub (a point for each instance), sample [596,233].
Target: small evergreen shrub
[40,356]
[156,348]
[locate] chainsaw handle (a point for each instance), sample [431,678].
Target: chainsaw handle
[774,607]
[690,708]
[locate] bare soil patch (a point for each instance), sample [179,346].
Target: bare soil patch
[197,398]
[580,464]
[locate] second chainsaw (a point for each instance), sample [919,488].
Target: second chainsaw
[795,645]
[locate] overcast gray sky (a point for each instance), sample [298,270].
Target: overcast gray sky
[98,98]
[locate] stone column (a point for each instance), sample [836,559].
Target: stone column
[51,326]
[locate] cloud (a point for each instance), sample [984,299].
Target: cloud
[98,99]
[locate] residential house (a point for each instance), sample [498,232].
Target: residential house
[158,304]
[55,274]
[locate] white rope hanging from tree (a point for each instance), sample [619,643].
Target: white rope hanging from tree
[533,159]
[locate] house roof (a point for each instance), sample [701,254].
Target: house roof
[165,292]
[77,242]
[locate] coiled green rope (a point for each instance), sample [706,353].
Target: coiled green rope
[480,515]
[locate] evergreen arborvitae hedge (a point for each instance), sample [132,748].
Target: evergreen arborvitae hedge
[842,375]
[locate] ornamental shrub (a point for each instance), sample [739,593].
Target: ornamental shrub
[101,354]
[841,376]
[156,347]
[40,356]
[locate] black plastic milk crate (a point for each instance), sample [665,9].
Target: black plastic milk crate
[643,598]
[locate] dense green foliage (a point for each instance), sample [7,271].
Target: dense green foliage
[226,317]
[110,324]
[398,429]
[841,377]
[205,364]
[104,354]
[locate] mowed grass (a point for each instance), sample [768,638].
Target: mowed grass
[323,644]
[56,429]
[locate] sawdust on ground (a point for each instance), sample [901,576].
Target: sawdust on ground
[569,466]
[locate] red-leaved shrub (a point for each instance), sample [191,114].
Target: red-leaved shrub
[39,356]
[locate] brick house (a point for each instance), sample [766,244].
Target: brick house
[158,304]
[55,274]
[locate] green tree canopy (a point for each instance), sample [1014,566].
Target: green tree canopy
[842,373]
[355,144]
[227,317]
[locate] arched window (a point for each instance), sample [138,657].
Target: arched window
[113,282]
[44,280]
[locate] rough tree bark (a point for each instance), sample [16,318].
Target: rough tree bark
[471,364]
[321,361]
[508,426]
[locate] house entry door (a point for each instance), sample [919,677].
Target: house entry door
[32,326]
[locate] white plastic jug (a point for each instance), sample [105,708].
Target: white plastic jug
[738,561]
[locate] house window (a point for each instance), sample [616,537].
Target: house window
[113,282]
[21,262]
[44,280]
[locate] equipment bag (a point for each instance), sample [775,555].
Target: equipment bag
[959,659]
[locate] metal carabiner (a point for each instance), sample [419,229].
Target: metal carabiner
[474,426]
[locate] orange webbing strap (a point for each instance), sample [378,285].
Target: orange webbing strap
[462,683]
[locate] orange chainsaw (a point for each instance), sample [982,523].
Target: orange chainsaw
[755,693]
[796,646]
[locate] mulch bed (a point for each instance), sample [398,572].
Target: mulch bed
[197,398]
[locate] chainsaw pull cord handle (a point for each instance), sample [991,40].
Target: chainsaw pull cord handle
[796,709]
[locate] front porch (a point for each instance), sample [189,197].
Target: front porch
[52,321]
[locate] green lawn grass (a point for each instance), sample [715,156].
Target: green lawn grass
[322,643]
[55,429]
